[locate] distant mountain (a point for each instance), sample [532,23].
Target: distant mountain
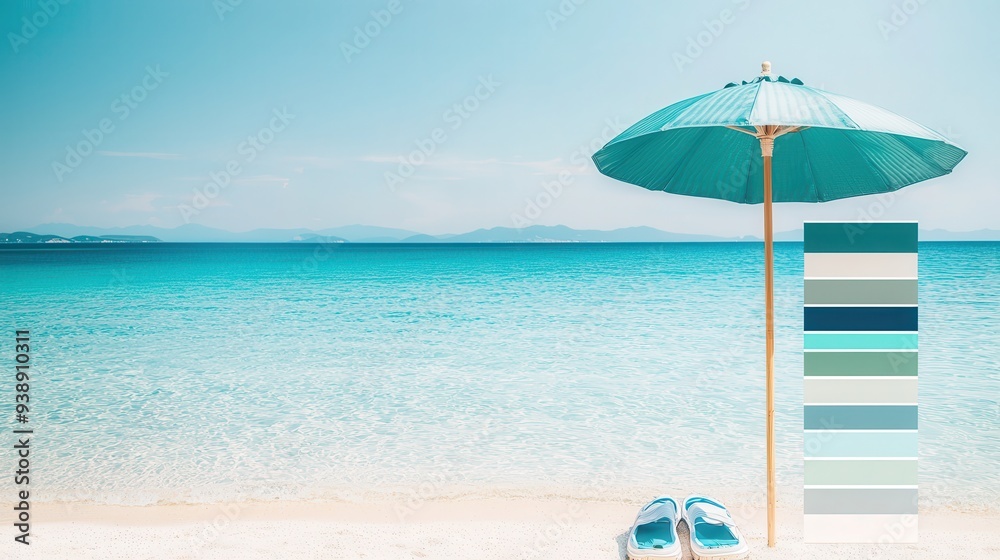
[196,232]
[28,237]
[423,238]
[368,234]
[317,238]
[558,234]
[376,234]
[184,233]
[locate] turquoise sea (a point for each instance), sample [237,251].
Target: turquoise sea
[206,372]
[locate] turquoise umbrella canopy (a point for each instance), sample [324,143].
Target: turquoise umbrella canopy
[835,147]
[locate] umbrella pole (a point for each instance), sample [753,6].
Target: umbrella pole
[767,146]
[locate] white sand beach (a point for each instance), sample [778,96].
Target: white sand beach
[481,528]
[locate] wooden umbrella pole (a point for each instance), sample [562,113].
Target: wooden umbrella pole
[767,149]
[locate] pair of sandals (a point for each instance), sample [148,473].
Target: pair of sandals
[714,534]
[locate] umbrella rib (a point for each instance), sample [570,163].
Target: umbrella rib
[753,104]
[743,130]
[781,131]
[909,148]
[864,156]
[833,104]
[746,190]
[687,156]
[812,175]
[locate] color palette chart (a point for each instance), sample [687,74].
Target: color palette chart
[860,382]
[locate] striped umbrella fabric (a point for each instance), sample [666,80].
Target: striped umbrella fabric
[828,146]
[860,386]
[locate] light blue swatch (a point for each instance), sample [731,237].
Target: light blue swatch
[860,444]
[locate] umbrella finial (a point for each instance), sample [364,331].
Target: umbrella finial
[765,68]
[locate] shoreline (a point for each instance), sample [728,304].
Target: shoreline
[401,507]
[501,527]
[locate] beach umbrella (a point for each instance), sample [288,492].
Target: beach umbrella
[815,146]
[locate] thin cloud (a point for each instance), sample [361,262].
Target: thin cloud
[322,162]
[263,180]
[552,166]
[379,159]
[143,155]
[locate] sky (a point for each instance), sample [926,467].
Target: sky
[448,116]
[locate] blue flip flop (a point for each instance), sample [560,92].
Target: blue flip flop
[654,533]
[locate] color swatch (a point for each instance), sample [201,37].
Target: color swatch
[860,382]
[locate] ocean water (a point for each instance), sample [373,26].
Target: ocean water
[214,372]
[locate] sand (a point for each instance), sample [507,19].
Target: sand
[475,528]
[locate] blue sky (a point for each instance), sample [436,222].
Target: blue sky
[120,113]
